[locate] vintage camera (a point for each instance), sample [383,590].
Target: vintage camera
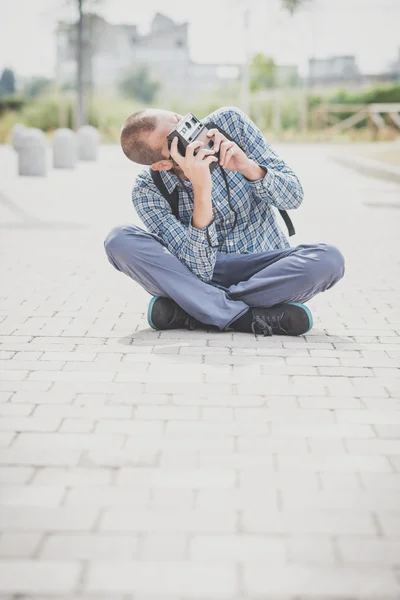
[188,130]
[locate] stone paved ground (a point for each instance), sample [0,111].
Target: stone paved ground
[138,465]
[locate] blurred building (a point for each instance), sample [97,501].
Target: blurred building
[287,75]
[395,67]
[338,68]
[113,52]
[343,70]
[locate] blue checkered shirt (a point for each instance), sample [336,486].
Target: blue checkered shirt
[257,229]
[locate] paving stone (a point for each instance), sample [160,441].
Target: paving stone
[310,550]
[19,410]
[76,476]
[341,430]
[390,522]
[156,547]
[89,547]
[23,518]
[33,577]
[260,494]
[342,499]
[28,424]
[30,495]
[331,522]
[309,582]
[369,552]
[201,478]
[108,496]
[58,441]
[15,474]
[238,549]
[339,462]
[169,521]
[189,580]
[172,498]
[6,438]
[39,456]
[375,446]
[19,545]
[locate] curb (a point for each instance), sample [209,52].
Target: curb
[369,167]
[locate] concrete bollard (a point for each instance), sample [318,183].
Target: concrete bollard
[32,149]
[88,142]
[65,149]
[16,134]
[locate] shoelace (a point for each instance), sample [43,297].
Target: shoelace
[188,321]
[266,324]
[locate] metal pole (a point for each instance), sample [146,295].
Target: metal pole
[80,105]
[245,81]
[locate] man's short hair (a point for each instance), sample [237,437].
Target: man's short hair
[132,142]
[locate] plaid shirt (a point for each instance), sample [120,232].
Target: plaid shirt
[256,230]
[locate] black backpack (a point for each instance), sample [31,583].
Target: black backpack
[173,198]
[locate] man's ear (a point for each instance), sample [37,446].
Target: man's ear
[162,165]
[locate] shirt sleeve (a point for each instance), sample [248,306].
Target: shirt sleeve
[280,187]
[189,244]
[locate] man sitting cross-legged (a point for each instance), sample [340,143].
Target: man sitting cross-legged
[200,269]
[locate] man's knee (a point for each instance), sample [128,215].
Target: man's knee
[117,239]
[330,265]
[334,262]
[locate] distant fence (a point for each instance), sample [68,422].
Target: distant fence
[378,116]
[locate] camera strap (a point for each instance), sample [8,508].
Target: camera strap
[283,213]
[173,197]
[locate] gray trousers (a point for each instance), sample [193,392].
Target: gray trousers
[239,280]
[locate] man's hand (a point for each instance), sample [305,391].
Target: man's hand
[195,166]
[233,158]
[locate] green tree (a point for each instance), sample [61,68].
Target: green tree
[293,6]
[36,86]
[139,85]
[262,73]
[7,83]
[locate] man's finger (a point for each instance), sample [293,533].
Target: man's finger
[226,148]
[218,138]
[218,141]
[192,147]
[177,156]
[210,159]
[203,152]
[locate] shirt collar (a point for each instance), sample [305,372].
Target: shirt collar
[171,180]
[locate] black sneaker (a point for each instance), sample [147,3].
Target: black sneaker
[164,313]
[292,318]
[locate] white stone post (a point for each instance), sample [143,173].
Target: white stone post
[88,142]
[16,134]
[32,149]
[65,149]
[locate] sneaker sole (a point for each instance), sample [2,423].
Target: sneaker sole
[308,312]
[149,310]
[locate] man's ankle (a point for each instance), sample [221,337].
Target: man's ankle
[243,323]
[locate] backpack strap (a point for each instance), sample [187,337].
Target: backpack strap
[283,213]
[173,198]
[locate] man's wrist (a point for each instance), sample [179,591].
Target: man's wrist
[202,211]
[202,193]
[253,172]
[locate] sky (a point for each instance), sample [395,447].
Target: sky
[370,29]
